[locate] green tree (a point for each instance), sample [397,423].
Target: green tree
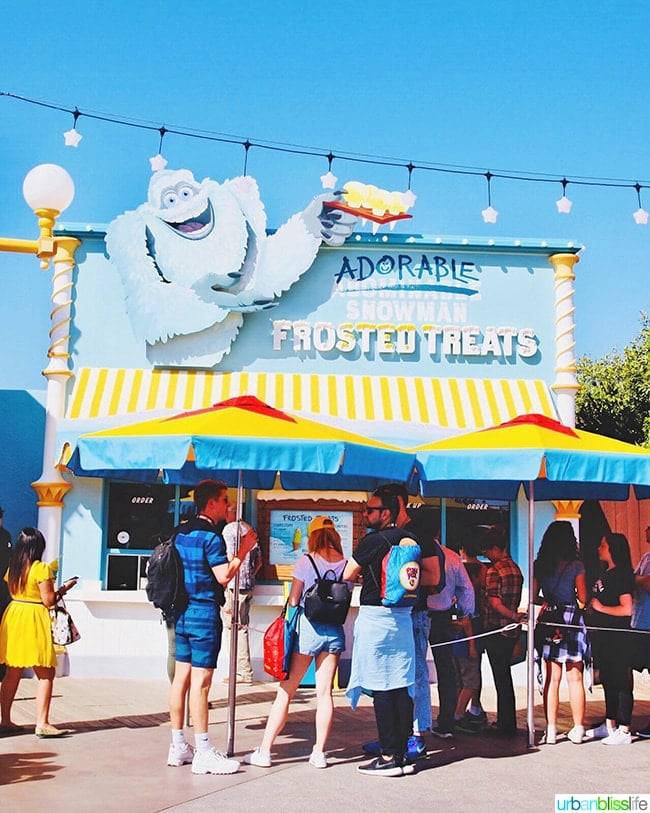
[614,395]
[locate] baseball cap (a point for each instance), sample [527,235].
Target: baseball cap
[320,522]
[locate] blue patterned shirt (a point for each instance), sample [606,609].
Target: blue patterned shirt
[201,548]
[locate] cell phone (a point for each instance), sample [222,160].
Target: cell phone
[72,578]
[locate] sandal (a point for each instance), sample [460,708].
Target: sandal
[49,732]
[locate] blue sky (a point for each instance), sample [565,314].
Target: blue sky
[548,89]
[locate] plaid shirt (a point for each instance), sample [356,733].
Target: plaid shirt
[201,548]
[503,580]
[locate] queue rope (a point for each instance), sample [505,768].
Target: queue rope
[506,628]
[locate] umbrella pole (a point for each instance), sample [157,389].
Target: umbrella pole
[530,660]
[234,632]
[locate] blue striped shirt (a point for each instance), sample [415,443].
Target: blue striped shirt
[201,548]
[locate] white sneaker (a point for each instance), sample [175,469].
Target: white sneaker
[318,759]
[213,761]
[618,737]
[577,734]
[600,732]
[261,759]
[180,756]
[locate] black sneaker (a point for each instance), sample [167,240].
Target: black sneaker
[382,767]
[644,732]
[471,723]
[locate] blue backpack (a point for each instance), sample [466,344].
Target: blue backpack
[400,572]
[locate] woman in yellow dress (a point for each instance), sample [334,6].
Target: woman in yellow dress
[25,630]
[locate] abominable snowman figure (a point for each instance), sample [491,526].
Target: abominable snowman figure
[196,256]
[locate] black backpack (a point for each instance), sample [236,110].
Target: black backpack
[328,599]
[166,581]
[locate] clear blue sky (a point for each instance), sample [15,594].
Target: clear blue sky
[547,88]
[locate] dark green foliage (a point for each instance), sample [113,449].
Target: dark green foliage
[614,395]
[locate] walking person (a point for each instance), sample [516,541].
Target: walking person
[559,576]
[383,654]
[317,641]
[611,608]
[198,629]
[26,630]
[503,583]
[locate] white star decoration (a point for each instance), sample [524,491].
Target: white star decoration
[640,216]
[564,205]
[409,198]
[157,163]
[72,138]
[328,180]
[490,215]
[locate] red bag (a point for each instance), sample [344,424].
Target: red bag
[278,645]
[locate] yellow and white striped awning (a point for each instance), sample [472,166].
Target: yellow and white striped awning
[449,403]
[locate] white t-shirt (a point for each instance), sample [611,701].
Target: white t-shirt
[304,572]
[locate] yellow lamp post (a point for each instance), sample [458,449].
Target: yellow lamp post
[49,190]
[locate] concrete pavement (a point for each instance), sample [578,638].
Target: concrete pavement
[115,759]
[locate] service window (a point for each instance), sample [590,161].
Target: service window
[468,518]
[139,516]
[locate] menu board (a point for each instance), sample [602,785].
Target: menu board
[288,533]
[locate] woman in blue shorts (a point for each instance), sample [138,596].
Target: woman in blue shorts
[322,642]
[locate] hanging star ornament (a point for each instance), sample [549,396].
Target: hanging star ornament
[564,205]
[409,198]
[490,215]
[72,138]
[640,217]
[328,180]
[157,163]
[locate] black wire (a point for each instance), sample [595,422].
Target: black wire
[356,158]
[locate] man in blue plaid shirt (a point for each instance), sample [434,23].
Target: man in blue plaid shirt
[198,630]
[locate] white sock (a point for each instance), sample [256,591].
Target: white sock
[178,738]
[202,742]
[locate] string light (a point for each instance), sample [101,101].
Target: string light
[408,197]
[159,162]
[640,216]
[490,214]
[246,145]
[564,204]
[328,180]
[71,137]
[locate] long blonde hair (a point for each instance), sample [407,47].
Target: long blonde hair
[324,538]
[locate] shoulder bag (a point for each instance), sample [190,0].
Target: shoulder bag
[64,630]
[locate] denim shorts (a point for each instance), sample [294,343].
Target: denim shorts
[198,636]
[315,637]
